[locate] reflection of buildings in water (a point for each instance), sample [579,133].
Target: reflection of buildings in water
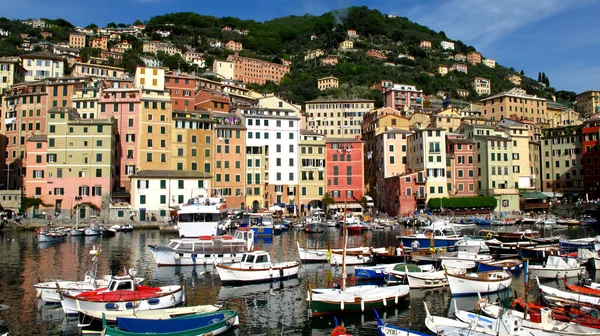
[256,290]
[202,282]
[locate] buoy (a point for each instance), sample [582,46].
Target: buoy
[176,256]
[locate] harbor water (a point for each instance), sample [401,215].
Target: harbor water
[278,308]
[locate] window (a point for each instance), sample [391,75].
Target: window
[180,184]
[163,199]
[163,184]
[98,157]
[142,199]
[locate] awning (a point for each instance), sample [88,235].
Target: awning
[551,194]
[534,195]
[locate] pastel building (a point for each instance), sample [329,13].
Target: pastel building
[391,158]
[96,70]
[401,193]
[474,57]
[460,152]
[447,45]
[564,162]
[590,134]
[344,166]
[182,89]
[230,165]
[403,97]
[427,154]
[337,117]
[233,45]
[250,70]
[150,78]
[192,141]
[327,83]
[312,170]
[11,73]
[514,103]
[77,40]
[482,86]
[42,64]
[588,102]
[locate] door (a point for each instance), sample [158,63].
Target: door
[82,212]
[142,214]
[58,206]
[255,206]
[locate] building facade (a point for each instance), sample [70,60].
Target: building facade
[403,97]
[312,170]
[514,103]
[337,117]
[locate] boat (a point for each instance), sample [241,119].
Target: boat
[323,255]
[507,250]
[374,272]
[512,265]
[555,295]
[518,235]
[166,313]
[451,327]
[556,267]
[214,323]
[256,267]
[201,214]
[354,258]
[204,250]
[538,253]
[353,298]
[49,291]
[575,244]
[439,235]
[391,255]
[126,228]
[581,315]
[260,223]
[568,221]
[473,244]
[435,279]
[93,231]
[581,289]
[385,329]
[471,283]
[397,275]
[339,330]
[46,235]
[462,259]
[512,323]
[123,294]
[588,220]
[106,233]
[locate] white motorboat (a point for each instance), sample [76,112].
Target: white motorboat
[49,291]
[354,258]
[471,283]
[556,267]
[257,267]
[472,245]
[397,275]
[93,231]
[324,255]
[123,294]
[205,250]
[438,235]
[77,232]
[201,215]
[463,259]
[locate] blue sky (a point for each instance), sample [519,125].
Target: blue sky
[558,37]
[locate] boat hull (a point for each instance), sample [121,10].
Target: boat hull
[355,299]
[537,253]
[213,323]
[170,296]
[467,285]
[236,275]
[165,256]
[427,279]
[512,265]
[553,273]
[358,259]
[426,242]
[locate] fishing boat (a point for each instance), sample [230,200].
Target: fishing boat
[354,258]
[538,253]
[385,329]
[574,314]
[93,230]
[126,228]
[581,289]
[354,298]
[122,293]
[77,231]
[256,267]
[471,283]
[556,267]
[507,250]
[45,235]
[557,296]
[204,250]
[567,221]
[512,265]
[473,244]
[201,214]
[392,255]
[435,279]
[462,259]
[166,313]
[575,244]
[398,274]
[373,272]
[447,326]
[314,228]
[518,235]
[439,235]
[214,323]
[260,223]
[323,255]
[49,291]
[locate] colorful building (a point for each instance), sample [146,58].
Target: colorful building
[403,97]
[230,138]
[312,170]
[344,172]
[250,70]
[514,103]
[340,118]
[460,153]
[591,157]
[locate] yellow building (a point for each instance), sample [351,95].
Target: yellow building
[448,119]
[192,141]
[312,170]
[85,100]
[420,120]
[559,115]
[155,130]
[340,118]
[588,103]
[77,41]
[482,86]
[514,103]
[347,44]
[11,73]
[327,83]
[150,78]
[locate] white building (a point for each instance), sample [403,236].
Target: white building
[447,45]
[151,61]
[223,69]
[489,62]
[160,191]
[272,138]
[4,32]
[427,154]
[42,64]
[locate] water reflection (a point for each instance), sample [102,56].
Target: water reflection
[268,309]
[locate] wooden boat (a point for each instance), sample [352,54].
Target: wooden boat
[574,314]
[354,258]
[581,289]
[123,294]
[391,255]
[427,279]
[214,323]
[204,250]
[473,244]
[557,295]
[397,275]
[507,250]
[439,235]
[385,329]
[512,265]
[323,255]
[538,253]
[167,313]
[518,236]
[46,235]
[556,267]
[482,282]
[462,259]
[257,267]
[447,326]
[373,272]
[575,244]
[354,298]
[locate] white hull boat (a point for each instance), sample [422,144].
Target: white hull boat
[557,268]
[205,250]
[359,258]
[427,279]
[571,297]
[463,259]
[49,291]
[111,316]
[77,232]
[354,299]
[257,267]
[324,255]
[482,282]
[472,245]
[450,327]
[93,232]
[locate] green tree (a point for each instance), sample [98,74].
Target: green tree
[92,26]
[327,201]
[111,25]
[121,25]
[138,23]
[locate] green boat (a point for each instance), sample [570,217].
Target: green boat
[213,323]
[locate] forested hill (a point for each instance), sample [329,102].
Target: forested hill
[290,38]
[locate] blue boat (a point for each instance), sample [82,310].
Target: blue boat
[388,329]
[440,234]
[575,244]
[538,253]
[512,265]
[372,272]
[261,224]
[213,323]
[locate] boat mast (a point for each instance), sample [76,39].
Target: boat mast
[345,243]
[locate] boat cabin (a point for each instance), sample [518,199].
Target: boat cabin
[241,241]
[438,231]
[258,259]
[120,283]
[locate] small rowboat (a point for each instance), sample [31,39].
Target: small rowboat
[482,282]
[512,265]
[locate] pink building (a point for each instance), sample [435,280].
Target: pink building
[399,196]
[119,99]
[403,97]
[460,151]
[35,179]
[344,163]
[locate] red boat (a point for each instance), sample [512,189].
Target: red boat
[584,316]
[581,289]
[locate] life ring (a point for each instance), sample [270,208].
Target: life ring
[338,331]
[490,235]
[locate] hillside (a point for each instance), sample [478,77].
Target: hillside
[289,38]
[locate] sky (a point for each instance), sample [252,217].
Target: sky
[558,37]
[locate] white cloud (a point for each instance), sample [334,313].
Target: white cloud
[483,22]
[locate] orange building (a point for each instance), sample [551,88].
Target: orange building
[474,57]
[250,70]
[233,45]
[230,157]
[211,100]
